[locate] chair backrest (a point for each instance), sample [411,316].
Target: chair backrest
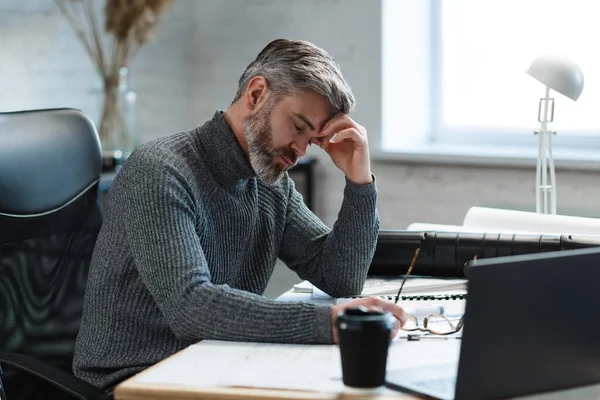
[50,163]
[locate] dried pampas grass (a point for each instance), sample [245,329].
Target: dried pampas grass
[128,25]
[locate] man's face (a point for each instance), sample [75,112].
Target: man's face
[278,134]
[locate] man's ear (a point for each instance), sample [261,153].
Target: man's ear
[256,92]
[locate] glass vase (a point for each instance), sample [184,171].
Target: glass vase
[117,122]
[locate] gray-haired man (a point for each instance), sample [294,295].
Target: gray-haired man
[196,221]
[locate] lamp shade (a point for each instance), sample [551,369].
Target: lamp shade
[558,73]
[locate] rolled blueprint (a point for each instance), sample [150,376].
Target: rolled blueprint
[497,220]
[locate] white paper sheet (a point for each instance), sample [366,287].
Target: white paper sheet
[497,220]
[227,364]
[280,366]
[303,287]
[385,288]
[382,286]
[413,286]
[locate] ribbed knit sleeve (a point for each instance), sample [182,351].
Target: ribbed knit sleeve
[336,260]
[159,218]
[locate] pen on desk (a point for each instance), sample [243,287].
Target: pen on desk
[412,264]
[417,337]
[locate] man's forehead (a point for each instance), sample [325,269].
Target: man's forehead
[311,108]
[313,115]
[314,124]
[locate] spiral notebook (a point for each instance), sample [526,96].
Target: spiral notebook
[415,288]
[420,296]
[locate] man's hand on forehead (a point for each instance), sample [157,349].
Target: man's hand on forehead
[346,143]
[327,133]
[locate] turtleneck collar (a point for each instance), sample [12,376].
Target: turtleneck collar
[222,152]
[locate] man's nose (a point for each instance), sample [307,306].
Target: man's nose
[300,148]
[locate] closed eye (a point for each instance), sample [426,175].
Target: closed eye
[317,140]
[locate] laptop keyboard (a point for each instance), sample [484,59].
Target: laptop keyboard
[442,385]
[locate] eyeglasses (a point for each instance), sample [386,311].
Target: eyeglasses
[436,324]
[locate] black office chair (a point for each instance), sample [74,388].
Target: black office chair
[49,220]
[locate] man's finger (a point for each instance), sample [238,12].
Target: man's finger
[395,309]
[323,141]
[338,124]
[350,134]
[379,305]
[376,309]
[329,127]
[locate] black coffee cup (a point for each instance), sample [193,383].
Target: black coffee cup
[364,338]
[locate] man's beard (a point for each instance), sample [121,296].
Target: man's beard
[263,157]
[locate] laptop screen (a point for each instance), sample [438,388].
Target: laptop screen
[530,324]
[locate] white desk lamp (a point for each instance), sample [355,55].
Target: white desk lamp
[565,77]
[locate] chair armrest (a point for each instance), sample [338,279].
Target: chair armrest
[57,377]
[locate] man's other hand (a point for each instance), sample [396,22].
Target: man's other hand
[373,304]
[346,143]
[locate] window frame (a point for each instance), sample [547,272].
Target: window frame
[514,144]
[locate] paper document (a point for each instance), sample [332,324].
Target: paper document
[419,292]
[303,287]
[384,286]
[277,366]
[413,286]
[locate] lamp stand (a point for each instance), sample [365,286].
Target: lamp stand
[545,194]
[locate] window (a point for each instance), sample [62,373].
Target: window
[454,71]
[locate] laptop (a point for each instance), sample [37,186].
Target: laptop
[531,326]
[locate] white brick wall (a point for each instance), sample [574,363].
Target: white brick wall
[192,68]
[43,65]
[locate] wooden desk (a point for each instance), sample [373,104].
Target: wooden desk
[132,390]
[178,376]
[136,389]
[155,384]
[143,392]
[151,383]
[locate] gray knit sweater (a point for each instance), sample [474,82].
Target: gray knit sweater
[189,241]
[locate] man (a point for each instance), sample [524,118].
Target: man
[196,221]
